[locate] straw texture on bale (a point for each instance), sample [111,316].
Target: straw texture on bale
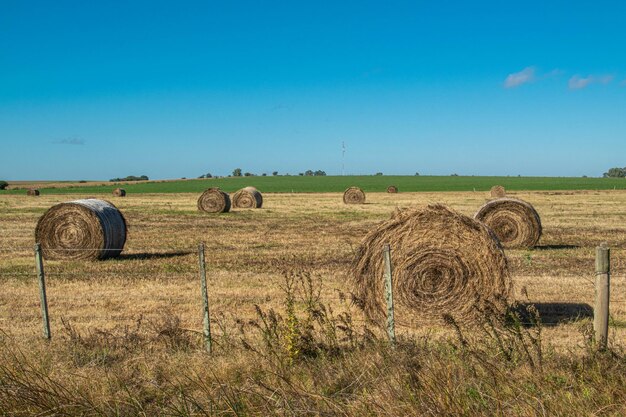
[214,200]
[444,263]
[33,192]
[81,229]
[119,192]
[248,197]
[516,223]
[354,195]
[497,191]
[392,189]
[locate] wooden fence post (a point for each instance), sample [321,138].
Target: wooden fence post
[601,307]
[391,324]
[42,292]
[205,300]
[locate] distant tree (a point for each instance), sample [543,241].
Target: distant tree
[454,175]
[417,174]
[319,173]
[379,173]
[208,175]
[237,172]
[615,173]
[248,174]
[183,178]
[275,173]
[3,185]
[201,176]
[308,173]
[130,178]
[264,174]
[301,174]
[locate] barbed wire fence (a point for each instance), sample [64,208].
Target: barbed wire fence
[608,310]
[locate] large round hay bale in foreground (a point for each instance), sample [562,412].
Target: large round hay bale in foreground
[515,222]
[444,264]
[119,192]
[33,192]
[392,189]
[214,200]
[248,197]
[354,195]
[497,191]
[81,229]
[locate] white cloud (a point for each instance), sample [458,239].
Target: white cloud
[70,141]
[577,82]
[518,78]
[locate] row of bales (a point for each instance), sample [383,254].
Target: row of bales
[445,263]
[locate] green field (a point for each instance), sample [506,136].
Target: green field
[298,184]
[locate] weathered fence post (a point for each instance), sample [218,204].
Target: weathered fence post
[601,307]
[205,300]
[42,291]
[391,324]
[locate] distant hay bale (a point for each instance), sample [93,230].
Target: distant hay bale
[248,197]
[81,229]
[119,192]
[214,200]
[444,264]
[392,189]
[354,195]
[33,192]
[515,222]
[497,191]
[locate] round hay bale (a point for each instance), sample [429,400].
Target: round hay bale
[392,189]
[119,192]
[214,200]
[248,197]
[354,195]
[444,264]
[516,223]
[81,229]
[33,192]
[497,191]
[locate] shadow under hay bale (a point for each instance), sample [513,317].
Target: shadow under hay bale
[392,189]
[354,195]
[444,263]
[497,191]
[33,192]
[81,229]
[154,255]
[516,223]
[119,192]
[553,314]
[248,197]
[214,200]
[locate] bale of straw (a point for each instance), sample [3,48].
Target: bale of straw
[497,191]
[516,223]
[444,264]
[392,189]
[119,192]
[33,192]
[354,195]
[81,229]
[248,197]
[214,200]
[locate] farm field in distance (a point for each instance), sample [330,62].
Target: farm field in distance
[127,331]
[328,184]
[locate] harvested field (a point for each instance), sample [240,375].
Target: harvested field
[154,285]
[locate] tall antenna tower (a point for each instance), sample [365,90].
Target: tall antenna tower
[343,158]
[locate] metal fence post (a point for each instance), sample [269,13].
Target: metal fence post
[42,292]
[391,324]
[601,307]
[205,300]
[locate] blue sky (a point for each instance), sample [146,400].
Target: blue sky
[95,90]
